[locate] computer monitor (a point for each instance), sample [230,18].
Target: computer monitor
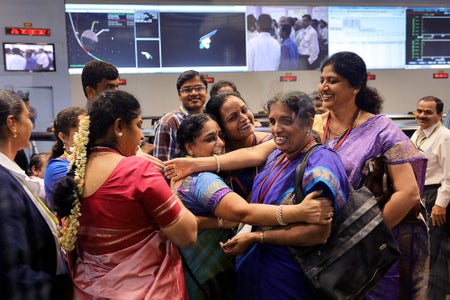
[29,57]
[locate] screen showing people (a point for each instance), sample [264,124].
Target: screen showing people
[220,38]
[29,57]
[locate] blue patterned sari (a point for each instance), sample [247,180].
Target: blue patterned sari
[212,269]
[269,271]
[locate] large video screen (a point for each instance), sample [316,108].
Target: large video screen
[152,39]
[221,38]
[377,34]
[428,38]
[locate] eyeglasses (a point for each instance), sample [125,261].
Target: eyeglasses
[189,89]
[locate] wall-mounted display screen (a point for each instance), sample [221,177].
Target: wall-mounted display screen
[174,38]
[29,57]
[428,38]
[152,39]
[377,34]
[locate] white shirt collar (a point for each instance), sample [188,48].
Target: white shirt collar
[427,131]
[19,173]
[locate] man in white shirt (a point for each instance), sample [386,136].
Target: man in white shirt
[15,61]
[251,27]
[307,42]
[42,60]
[433,140]
[264,51]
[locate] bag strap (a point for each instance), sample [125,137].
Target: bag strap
[299,193]
[299,172]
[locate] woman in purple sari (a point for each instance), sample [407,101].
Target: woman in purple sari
[355,130]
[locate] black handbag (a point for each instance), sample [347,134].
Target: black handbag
[359,251]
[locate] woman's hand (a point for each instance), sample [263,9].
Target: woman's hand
[240,243]
[179,168]
[154,160]
[316,210]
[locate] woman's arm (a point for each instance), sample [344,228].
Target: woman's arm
[183,232]
[406,193]
[179,168]
[205,223]
[292,235]
[234,208]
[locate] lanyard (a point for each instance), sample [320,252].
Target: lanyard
[343,137]
[424,139]
[279,161]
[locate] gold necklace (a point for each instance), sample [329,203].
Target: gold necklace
[345,130]
[337,133]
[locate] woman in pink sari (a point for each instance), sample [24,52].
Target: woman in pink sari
[118,211]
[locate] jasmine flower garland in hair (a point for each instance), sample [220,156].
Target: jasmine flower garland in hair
[77,158]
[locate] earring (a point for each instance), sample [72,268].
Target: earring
[354,92]
[15,133]
[120,134]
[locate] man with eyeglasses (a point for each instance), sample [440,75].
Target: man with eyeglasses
[192,92]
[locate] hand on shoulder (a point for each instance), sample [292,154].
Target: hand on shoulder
[154,160]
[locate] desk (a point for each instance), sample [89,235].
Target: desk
[149,135]
[42,136]
[153,120]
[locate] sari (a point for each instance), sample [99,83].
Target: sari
[208,271]
[407,278]
[122,252]
[269,271]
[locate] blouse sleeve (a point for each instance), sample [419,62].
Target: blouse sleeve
[209,190]
[156,195]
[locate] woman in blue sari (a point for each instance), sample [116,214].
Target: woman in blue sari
[209,272]
[266,268]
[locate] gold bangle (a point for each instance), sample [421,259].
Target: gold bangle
[280,216]
[261,237]
[217,162]
[220,222]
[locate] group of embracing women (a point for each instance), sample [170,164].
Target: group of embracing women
[219,223]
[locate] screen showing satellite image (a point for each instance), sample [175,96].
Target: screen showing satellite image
[152,39]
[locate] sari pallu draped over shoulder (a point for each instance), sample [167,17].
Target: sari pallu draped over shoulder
[378,137]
